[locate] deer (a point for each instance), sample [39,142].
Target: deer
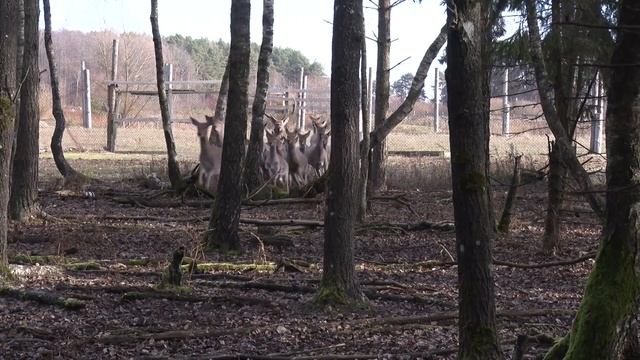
[320,148]
[302,139]
[275,161]
[298,162]
[210,154]
[217,134]
[278,124]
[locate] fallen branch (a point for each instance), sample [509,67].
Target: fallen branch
[42,298]
[137,337]
[545,265]
[453,315]
[183,297]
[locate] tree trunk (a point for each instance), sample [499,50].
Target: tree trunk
[173,167]
[221,105]
[223,227]
[467,74]
[557,169]
[551,115]
[24,189]
[339,284]
[19,55]
[612,290]
[364,149]
[551,241]
[252,174]
[377,174]
[8,48]
[56,140]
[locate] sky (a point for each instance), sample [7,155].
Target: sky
[304,25]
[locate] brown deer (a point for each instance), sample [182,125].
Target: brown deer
[298,162]
[210,155]
[275,160]
[217,134]
[320,147]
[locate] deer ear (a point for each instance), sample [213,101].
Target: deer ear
[210,119]
[194,121]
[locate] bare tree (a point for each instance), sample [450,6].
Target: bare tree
[364,149]
[24,185]
[606,320]
[469,43]
[173,167]
[383,129]
[562,139]
[62,164]
[339,284]
[8,49]
[377,176]
[223,226]
[252,174]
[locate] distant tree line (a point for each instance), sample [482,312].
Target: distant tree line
[210,58]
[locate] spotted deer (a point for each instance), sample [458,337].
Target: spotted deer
[210,154]
[298,162]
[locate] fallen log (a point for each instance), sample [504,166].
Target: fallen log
[42,297]
[137,337]
[184,297]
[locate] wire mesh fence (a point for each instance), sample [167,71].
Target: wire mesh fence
[139,128]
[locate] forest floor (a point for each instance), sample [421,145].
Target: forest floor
[109,253]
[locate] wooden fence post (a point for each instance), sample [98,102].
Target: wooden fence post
[112,126]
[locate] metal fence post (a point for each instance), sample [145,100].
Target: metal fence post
[506,116]
[436,102]
[86,98]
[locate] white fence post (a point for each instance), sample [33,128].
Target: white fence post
[436,101]
[168,78]
[506,116]
[86,97]
[597,121]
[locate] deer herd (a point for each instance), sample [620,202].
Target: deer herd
[291,158]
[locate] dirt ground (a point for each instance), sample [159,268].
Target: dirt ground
[242,307]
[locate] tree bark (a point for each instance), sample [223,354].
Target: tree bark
[63,166]
[467,74]
[551,115]
[562,76]
[253,175]
[23,203]
[364,149]
[221,105]
[8,48]
[612,290]
[377,175]
[339,284]
[173,167]
[223,226]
